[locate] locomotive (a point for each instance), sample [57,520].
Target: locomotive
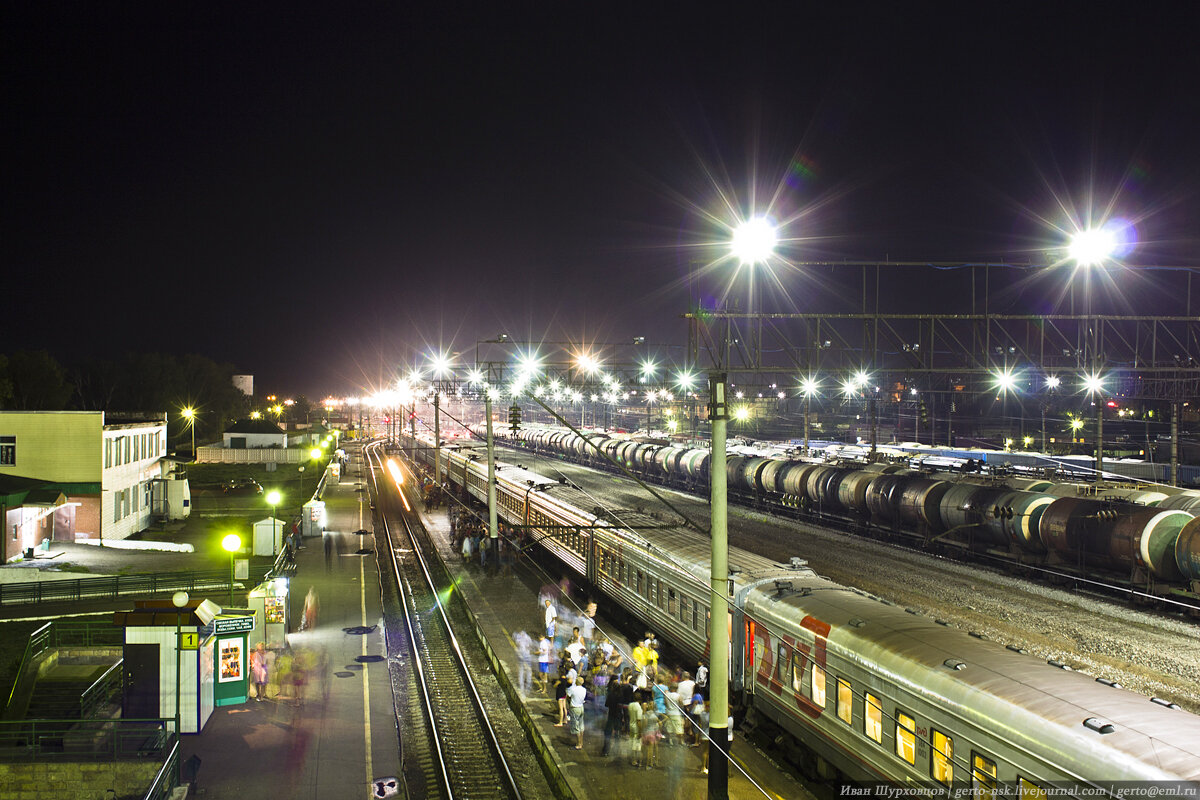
[1132,535]
[869,692]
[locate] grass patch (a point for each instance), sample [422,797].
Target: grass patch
[283,477]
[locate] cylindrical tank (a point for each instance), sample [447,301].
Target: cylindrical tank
[1022,518]
[882,496]
[733,472]
[1158,540]
[775,468]
[695,465]
[823,485]
[1028,484]
[660,458]
[1187,551]
[920,503]
[852,489]
[792,482]
[752,473]
[1184,501]
[967,504]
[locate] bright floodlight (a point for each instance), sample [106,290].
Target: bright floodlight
[588,363]
[1094,384]
[742,413]
[686,380]
[753,241]
[440,364]
[475,376]
[1005,380]
[1053,382]
[232,543]
[1092,247]
[648,368]
[810,386]
[849,388]
[1076,424]
[273,498]
[860,379]
[315,453]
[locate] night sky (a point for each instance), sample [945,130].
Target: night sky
[320,194]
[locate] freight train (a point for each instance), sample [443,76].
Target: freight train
[1132,536]
[868,691]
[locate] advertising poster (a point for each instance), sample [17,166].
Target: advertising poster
[274,609]
[229,654]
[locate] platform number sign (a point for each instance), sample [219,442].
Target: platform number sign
[189,640]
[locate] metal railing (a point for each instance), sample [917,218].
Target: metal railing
[102,692]
[114,586]
[65,634]
[167,778]
[85,740]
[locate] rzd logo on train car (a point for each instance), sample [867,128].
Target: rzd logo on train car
[800,654]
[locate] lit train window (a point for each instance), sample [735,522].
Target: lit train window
[671,602]
[780,660]
[943,757]
[797,674]
[818,686]
[906,737]
[845,701]
[983,777]
[873,717]
[1030,790]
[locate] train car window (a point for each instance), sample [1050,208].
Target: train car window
[641,586]
[671,608]
[797,674]
[983,776]
[818,686]
[906,737]
[683,608]
[1030,790]
[942,756]
[873,718]
[781,659]
[845,701]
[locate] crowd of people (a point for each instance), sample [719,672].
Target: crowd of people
[643,703]
[289,675]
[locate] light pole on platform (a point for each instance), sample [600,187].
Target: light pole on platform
[179,600]
[232,543]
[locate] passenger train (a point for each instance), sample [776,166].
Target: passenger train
[1146,537]
[870,692]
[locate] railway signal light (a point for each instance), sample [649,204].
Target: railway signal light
[514,417]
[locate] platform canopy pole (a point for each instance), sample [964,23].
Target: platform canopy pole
[718,633]
[493,528]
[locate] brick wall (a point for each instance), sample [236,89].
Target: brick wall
[56,780]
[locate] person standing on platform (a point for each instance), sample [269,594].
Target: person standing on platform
[525,654]
[311,606]
[258,670]
[576,695]
[545,659]
[702,679]
[328,551]
[551,619]
[634,711]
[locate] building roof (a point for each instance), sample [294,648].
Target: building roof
[254,426]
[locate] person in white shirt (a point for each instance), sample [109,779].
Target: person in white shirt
[576,695]
[551,619]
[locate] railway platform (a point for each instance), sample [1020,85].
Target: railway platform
[505,604]
[335,736]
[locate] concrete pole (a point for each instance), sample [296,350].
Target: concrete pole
[807,404]
[493,529]
[718,632]
[1175,441]
[1100,437]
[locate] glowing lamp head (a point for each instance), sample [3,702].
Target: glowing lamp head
[273,498]
[315,453]
[231,543]
[188,413]
[1053,382]
[753,241]
[1092,247]
[1093,384]
[810,387]
[179,599]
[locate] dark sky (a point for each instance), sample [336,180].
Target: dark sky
[319,194]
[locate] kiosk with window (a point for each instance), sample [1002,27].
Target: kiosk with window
[231,658]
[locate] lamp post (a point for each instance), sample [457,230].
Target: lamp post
[718,632]
[273,499]
[315,455]
[189,414]
[232,543]
[179,600]
[810,388]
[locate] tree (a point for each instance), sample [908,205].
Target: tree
[38,382]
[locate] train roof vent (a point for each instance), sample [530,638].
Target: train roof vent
[1016,649]
[977,635]
[954,663]
[798,563]
[857,622]
[1058,664]
[1107,682]
[913,611]
[1099,725]
[1164,703]
[942,622]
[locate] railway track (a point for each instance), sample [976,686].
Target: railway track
[450,747]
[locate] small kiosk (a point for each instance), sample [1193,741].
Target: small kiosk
[312,520]
[232,657]
[268,536]
[269,603]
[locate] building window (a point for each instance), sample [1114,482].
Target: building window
[8,451]
[873,718]
[128,496]
[107,453]
[117,506]
[943,758]
[147,494]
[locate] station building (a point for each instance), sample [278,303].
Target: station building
[67,475]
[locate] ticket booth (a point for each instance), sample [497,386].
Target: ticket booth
[269,603]
[231,658]
[268,536]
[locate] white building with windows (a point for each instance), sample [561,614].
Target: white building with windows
[110,468]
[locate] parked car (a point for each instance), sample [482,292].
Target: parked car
[243,486]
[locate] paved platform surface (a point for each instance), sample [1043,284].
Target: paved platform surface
[342,735]
[506,604]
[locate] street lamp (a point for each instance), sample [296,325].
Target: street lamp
[232,543]
[179,600]
[810,387]
[273,498]
[189,414]
[315,455]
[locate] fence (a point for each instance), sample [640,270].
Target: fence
[253,455]
[114,586]
[85,740]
